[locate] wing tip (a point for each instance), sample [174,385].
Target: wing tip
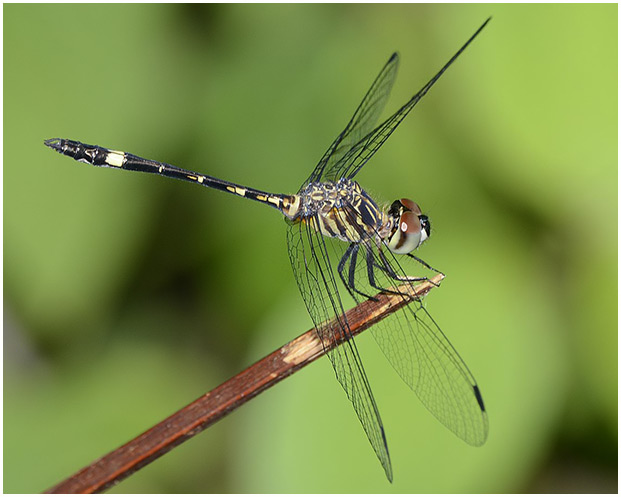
[481,28]
[483,438]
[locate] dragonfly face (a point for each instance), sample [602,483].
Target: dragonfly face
[410,227]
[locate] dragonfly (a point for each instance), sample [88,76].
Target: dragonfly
[341,244]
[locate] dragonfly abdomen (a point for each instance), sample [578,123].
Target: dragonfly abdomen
[104,157]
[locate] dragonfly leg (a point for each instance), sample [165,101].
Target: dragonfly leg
[342,263]
[371,264]
[390,272]
[420,261]
[352,272]
[352,254]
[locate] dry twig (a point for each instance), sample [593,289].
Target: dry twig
[206,410]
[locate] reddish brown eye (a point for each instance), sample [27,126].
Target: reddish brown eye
[407,234]
[410,205]
[409,223]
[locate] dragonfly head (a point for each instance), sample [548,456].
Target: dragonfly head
[410,227]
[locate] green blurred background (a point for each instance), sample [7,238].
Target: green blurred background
[127,296]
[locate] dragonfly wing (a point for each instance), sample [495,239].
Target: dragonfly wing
[359,153]
[418,349]
[310,252]
[361,124]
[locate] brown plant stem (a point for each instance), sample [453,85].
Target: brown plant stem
[209,408]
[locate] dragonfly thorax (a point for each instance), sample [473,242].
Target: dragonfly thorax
[340,209]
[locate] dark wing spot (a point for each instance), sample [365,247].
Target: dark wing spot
[477,394]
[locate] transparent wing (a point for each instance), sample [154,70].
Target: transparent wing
[359,153]
[362,122]
[416,346]
[309,252]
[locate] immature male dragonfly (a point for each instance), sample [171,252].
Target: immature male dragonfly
[332,218]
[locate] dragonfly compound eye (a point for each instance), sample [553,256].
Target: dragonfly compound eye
[410,206]
[408,234]
[425,226]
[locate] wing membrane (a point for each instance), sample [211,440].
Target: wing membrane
[417,348]
[349,164]
[410,338]
[309,254]
[362,122]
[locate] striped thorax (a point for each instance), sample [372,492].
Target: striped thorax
[339,209]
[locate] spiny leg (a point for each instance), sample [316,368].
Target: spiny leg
[351,254]
[390,272]
[371,264]
[420,261]
[371,274]
[351,249]
[352,273]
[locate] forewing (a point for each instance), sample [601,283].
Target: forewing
[418,349]
[361,124]
[310,252]
[359,153]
